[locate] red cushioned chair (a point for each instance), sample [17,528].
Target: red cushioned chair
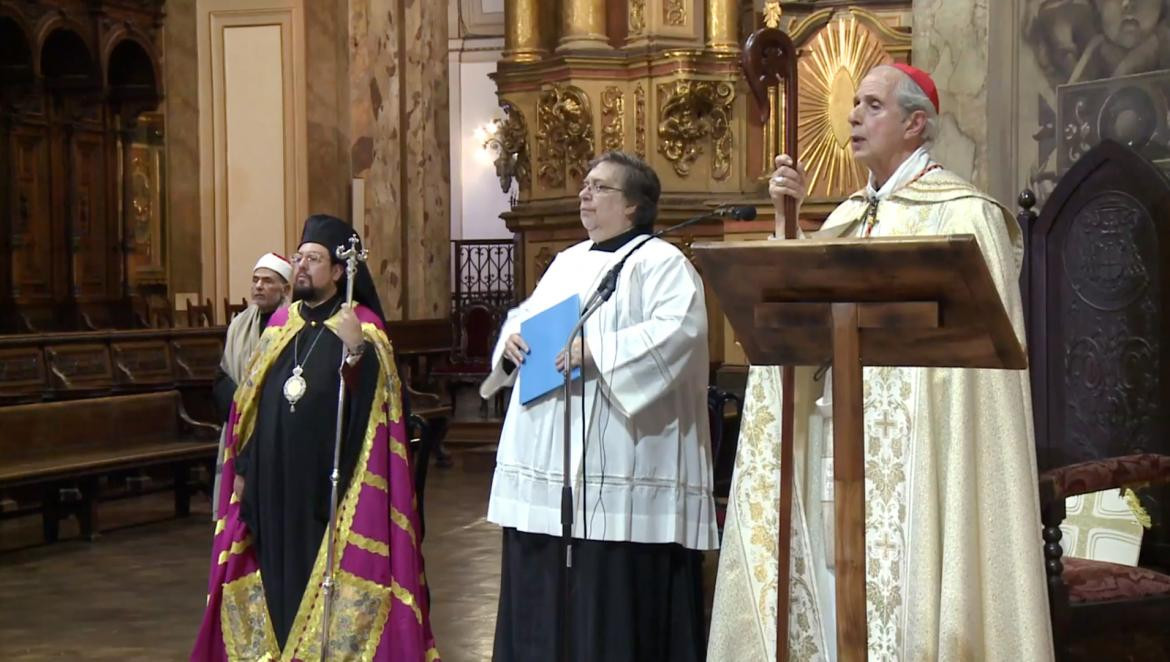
[1096,298]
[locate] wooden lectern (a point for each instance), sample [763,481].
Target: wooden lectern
[897,301]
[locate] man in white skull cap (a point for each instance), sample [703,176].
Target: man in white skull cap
[271,289]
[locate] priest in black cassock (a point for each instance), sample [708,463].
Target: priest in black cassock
[265,594]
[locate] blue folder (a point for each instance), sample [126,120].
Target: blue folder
[546,333]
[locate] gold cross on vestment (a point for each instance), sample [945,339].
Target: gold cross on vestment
[885,424]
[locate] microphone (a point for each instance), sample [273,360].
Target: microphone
[737,212]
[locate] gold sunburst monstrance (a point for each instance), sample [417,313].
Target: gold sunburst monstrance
[830,69]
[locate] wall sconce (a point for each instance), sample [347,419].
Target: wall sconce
[487,137]
[506,141]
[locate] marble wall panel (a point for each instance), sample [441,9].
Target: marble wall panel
[181,69]
[426,157]
[969,49]
[399,144]
[375,136]
[327,96]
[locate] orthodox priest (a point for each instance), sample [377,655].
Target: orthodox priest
[271,290]
[953,551]
[641,469]
[269,553]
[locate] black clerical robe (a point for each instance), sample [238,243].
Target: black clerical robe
[287,463]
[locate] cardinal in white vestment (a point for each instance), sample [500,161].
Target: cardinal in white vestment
[642,479]
[954,569]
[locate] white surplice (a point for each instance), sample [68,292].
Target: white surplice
[647,473]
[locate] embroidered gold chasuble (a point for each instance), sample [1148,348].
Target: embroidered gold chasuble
[954,569]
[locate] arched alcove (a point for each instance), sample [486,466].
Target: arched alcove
[130,73]
[67,64]
[81,162]
[15,54]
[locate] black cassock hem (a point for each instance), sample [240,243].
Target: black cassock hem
[630,601]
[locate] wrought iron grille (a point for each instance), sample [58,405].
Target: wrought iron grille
[483,272]
[484,282]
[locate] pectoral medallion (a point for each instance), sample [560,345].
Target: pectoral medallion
[295,387]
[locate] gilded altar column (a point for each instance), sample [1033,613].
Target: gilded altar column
[583,26]
[723,25]
[522,39]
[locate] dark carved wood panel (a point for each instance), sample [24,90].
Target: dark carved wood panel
[197,359]
[1097,304]
[90,69]
[22,372]
[142,362]
[77,364]
[61,172]
[1111,327]
[79,367]
[32,251]
[90,235]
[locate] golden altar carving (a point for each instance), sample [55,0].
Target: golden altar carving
[677,63]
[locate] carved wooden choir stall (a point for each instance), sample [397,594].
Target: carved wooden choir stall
[81,228]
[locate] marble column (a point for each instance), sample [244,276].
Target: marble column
[723,25]
[327,113]
[583,26]
[181,106]
[522,38]
[968,47]
[400,147]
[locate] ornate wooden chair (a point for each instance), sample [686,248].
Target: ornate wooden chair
[476,326]
[200,314]
[426,425]
[724,410]
[1096,284]
[230,309]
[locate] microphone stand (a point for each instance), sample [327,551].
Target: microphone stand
[604,291]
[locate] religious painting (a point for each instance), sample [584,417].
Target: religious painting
[144,223]
[1103,72]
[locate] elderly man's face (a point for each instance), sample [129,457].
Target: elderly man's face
[605,212]
[881,133]
[268,289]
[1127,23]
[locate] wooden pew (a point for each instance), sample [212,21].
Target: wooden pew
[73,365]
[22,374]
[59,444]
[76,372]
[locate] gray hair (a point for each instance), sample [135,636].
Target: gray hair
[640,184]
[911,98]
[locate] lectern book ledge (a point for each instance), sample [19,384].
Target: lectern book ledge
[927,301]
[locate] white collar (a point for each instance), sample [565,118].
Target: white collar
[913,166]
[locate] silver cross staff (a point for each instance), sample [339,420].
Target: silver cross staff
[352,256]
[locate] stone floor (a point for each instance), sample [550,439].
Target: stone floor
[137,593]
